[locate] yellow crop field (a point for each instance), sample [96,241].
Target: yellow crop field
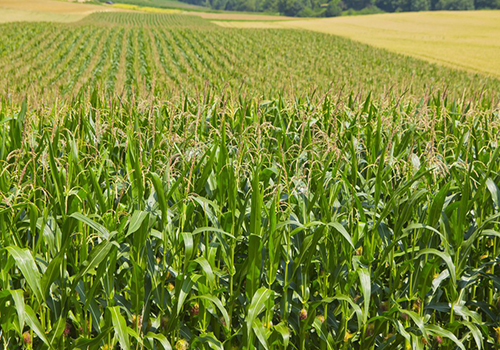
[46,10]
[227,16]
[467,40]
[145,8]
[10,15]
[247,24]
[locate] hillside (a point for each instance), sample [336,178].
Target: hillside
[46,10]
[465,39]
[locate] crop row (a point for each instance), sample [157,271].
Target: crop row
[154,60]
[322,224]
[148,20]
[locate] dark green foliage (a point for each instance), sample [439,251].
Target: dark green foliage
[334,8]
[487,4]
[455,5]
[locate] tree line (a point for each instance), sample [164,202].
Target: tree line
[332,8]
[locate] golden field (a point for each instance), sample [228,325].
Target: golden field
[467,40]
[228,16]
[145,8]
[46,10]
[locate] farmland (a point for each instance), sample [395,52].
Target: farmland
[45,10]
[173,54]
[466,40]
[169,183]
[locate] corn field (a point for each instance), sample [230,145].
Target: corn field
[167,184]
[141,55]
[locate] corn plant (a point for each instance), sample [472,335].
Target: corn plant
[207,188]
[332,224]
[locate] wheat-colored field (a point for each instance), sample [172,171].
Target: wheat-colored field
[11,15]
[228,16]
[46,10]
[146,9]
[467,40]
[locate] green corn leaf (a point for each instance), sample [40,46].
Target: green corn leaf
[187,237]
[205,265]
[282,329]
[436,330]
[136,221]
[104,233]
[365,280]
[340,229]
[210,340]
[26,263]
[257,305]
[134,171]
[160,194]
[446,258]
[35,325]
[495,193]
[187,285]
[417,320]
[97,189]
[94,343]
[211,229]
[401,329]
[120,327]
[97,256]
[18,296]
[357,309]
[437,206]
[219,305]
[318,326]
[136,336]
[260,332]
[51,273]
[476,333]
[161,339]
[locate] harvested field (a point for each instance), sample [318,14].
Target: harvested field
[46,11]
[9,15]
[51,6]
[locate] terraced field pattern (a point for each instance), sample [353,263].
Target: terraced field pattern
[166,183]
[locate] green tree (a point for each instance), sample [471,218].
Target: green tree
[358,4]
[420,5]
[334,9]
[487,4]
[290,7]
[455,5]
